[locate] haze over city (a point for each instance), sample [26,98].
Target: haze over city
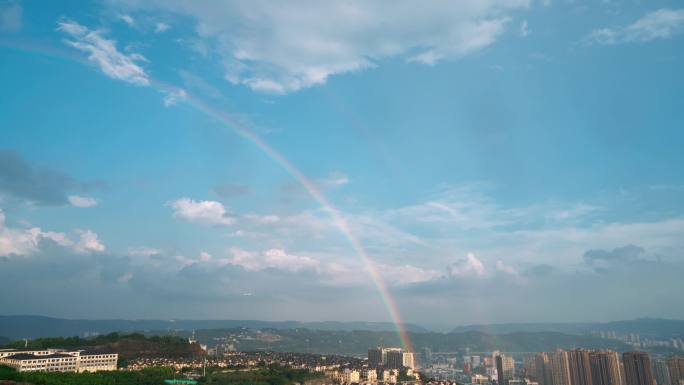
[453,163]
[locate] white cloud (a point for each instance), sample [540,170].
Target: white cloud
[88,242]
[205,212]
[173,97]
[26,241]
[79,201]
[468,266]
[271,259]
[10,17]
[161,27]
[279,47]
[660,24]
[204,256]
[128,19]
[104,53]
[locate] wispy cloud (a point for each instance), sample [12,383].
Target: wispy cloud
[161,27]
[660,24]
[173,97]
[104,53]
[128,19]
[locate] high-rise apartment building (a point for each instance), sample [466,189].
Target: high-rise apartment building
[543,368]
[391,358]
[579,367]
[505,368]
[605,368]
[397,358]
[638,368]
[560,369]
[675,367]
[376,357]
[661,372]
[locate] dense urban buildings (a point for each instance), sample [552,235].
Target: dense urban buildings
[58,360]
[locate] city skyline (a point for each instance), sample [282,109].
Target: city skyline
[470,162]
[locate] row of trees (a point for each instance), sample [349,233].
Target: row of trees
[151,376]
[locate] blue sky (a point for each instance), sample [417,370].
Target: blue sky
[489,156]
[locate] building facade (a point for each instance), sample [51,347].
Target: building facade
[661,372]
[505,369]
[605,368]
[58,360]
[579,367]
[638,368]
[675,366]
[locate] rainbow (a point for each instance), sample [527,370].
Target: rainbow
[228,121]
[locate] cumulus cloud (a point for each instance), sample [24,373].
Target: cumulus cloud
[27,241]
[80,201]
[204,212]
[10,16]
[279,48]
[88,242]
[468,266]
[661,24]
[104,53]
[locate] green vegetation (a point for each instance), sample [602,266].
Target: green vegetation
[78,342]
[270,375]
[129,346]
[357,342]
[151,376]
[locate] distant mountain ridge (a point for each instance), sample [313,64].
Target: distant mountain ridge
[16,327]
[651,327]
[31,326]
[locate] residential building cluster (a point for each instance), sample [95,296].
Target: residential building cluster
[639,342]
[57,360]
[603,367]
[390,358]
[560,367]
